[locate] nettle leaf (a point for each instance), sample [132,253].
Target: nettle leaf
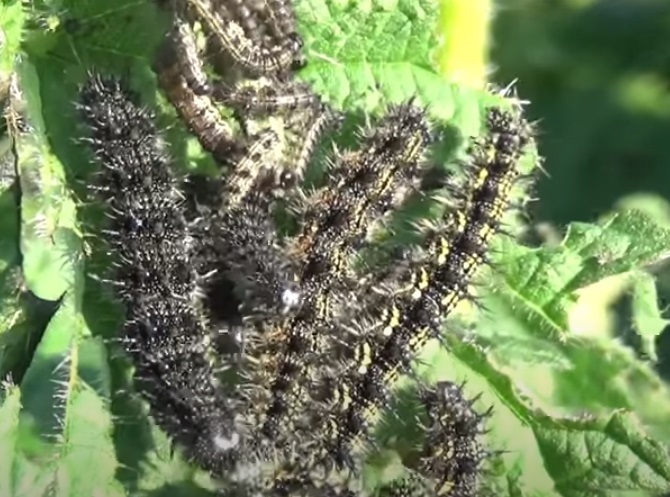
[608,455]
[52,375]
[537,287]
[9,214]
[364,45]
[647,320]
[65,424]
[533,338]
[48,214]
[12,19]
[23,319]
[532,306]
[19,476]
[366,54]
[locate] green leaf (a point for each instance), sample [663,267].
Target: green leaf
[534,291]
[536,287]
[65,357]
[22,321]
[48,214]
[648,321]
[9,211]
[11,25]
[18,475]
[87,444]
[364,55]
[9,422]
[607,457]
[625,241]
[65,423]
[541,334]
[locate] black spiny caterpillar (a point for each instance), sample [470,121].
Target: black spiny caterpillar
[323,340]
[164,334]
[449,458]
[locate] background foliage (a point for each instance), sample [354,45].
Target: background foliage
[598,74]
[573,321]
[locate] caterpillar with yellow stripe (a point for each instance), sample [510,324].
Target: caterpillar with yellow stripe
[410,310]
[320,364]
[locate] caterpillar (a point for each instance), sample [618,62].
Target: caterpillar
[165,336]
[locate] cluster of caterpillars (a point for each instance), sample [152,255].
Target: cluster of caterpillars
[269,359]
